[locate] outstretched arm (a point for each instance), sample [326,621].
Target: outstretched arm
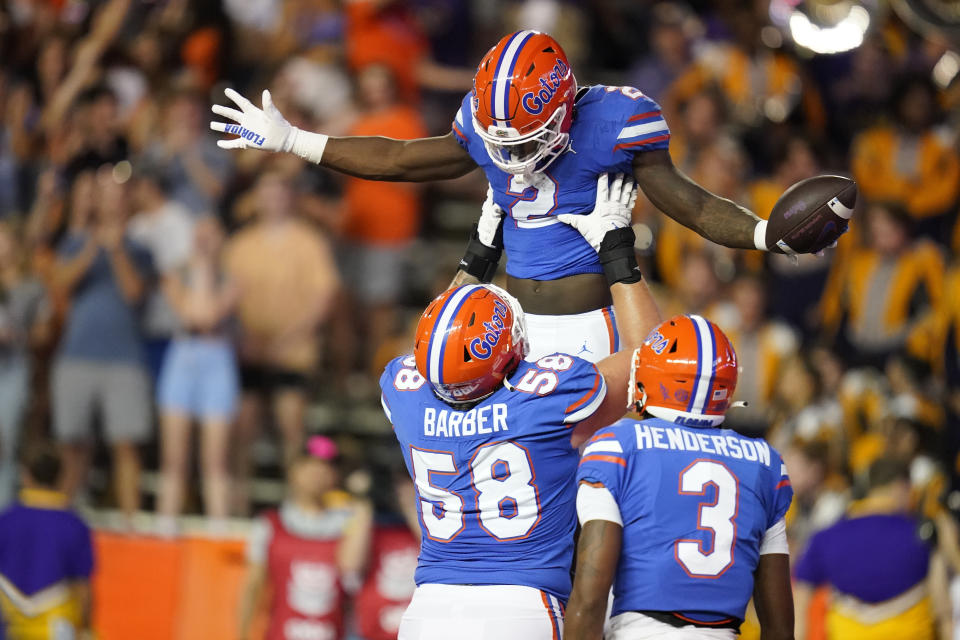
[378,158]
[670,190]
[370,157]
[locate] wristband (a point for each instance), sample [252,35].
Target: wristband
[618,258]
[305,144]
[479,260]
[760,235]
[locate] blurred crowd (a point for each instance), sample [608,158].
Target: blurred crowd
[151,282]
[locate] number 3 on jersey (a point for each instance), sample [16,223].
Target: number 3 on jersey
[507,503]
[718,518]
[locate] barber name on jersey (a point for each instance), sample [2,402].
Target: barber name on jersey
[495,495]
[679,439]
[450,423]
[566,389]
[610,125]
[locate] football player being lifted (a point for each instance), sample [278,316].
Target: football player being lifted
[542,143]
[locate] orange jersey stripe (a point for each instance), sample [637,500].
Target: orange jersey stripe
[638,143]
[604,458]
[582,401]
[641,116]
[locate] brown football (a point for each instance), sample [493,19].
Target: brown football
[811,214]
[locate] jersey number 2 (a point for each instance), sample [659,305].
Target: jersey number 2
[533,205]
[508,506]
[718,518]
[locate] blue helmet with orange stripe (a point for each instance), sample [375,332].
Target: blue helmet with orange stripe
[523,95]
[468,340]
[684,372]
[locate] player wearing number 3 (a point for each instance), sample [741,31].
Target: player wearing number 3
[542,143]
[491,440]
[684,518]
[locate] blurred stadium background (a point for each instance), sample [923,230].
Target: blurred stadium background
[224,266]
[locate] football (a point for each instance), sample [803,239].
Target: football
[811,214]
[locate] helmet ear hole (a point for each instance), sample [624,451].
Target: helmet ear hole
[473,319]
[673,347]
[466,355]
[641,398]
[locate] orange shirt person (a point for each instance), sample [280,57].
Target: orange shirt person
[287,279]
[911,162]
[382,213]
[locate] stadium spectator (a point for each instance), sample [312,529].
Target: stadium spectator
[386,32]
[382,220]
[904,596]
[46,557]
[878,292]
[100,361]
[194,170]
[165,228]
[698,287]
[804,410]
[287,280]
[820,494]
[763,346]
[307,552]
[863,92]
[199,379]
[102,140]
[910,159]
[671,26]
[24,319]
[758,83]
[395,545]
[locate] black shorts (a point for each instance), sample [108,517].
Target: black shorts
[255,378]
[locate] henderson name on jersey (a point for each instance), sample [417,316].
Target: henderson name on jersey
[698,505]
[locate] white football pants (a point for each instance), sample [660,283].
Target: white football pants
[591,335]
[481,612]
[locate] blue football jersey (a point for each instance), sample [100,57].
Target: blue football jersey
[496,483]
[610,125]
[695,504]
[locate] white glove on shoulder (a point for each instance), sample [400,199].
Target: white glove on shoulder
[612,210]
[265,129]
[490,217]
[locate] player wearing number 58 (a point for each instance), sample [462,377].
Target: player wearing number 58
[490,440]
[682,517]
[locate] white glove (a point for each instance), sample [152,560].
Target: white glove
[490,216]
[612,210]
[265,129]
